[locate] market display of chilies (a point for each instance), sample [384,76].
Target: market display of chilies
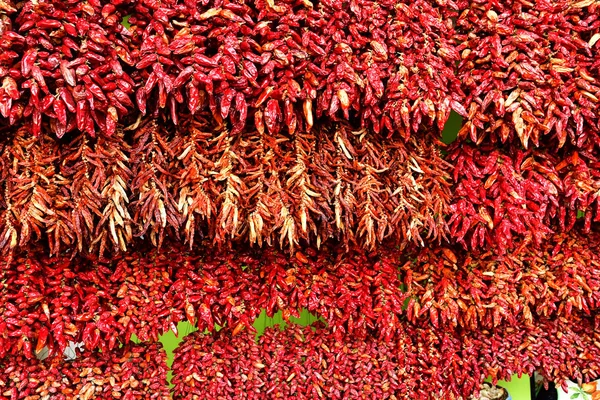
[307,363]
[205,161]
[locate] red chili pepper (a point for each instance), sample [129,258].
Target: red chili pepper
[272,115]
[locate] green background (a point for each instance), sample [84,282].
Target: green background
[518,387]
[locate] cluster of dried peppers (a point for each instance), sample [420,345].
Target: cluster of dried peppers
[530,70]
[67,65]
[201,181]
[421,363]
[485,290]
[49,301]
[503,195]
[134,371]
[389,65]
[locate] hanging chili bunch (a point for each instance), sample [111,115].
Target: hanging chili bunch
[67,65]
[71,195]
[357,294]
[450,287]
[48,302]
[8,90]
[503,195]
[31,191]
[218,365]
[53,301]
[129,372]
[530,70]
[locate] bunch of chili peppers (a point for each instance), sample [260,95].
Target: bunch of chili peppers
[134,371]
[449,287]
[62,66]
[75,65]
[530,70]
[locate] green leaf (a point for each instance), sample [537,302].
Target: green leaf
[574,395]
[125,22]
[451,128]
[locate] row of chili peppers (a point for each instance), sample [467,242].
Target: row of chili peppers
[422,363]
[312,363]
[194,182]
[242,60]
[49,301]
[525,69]
[200,181]
[134,371]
